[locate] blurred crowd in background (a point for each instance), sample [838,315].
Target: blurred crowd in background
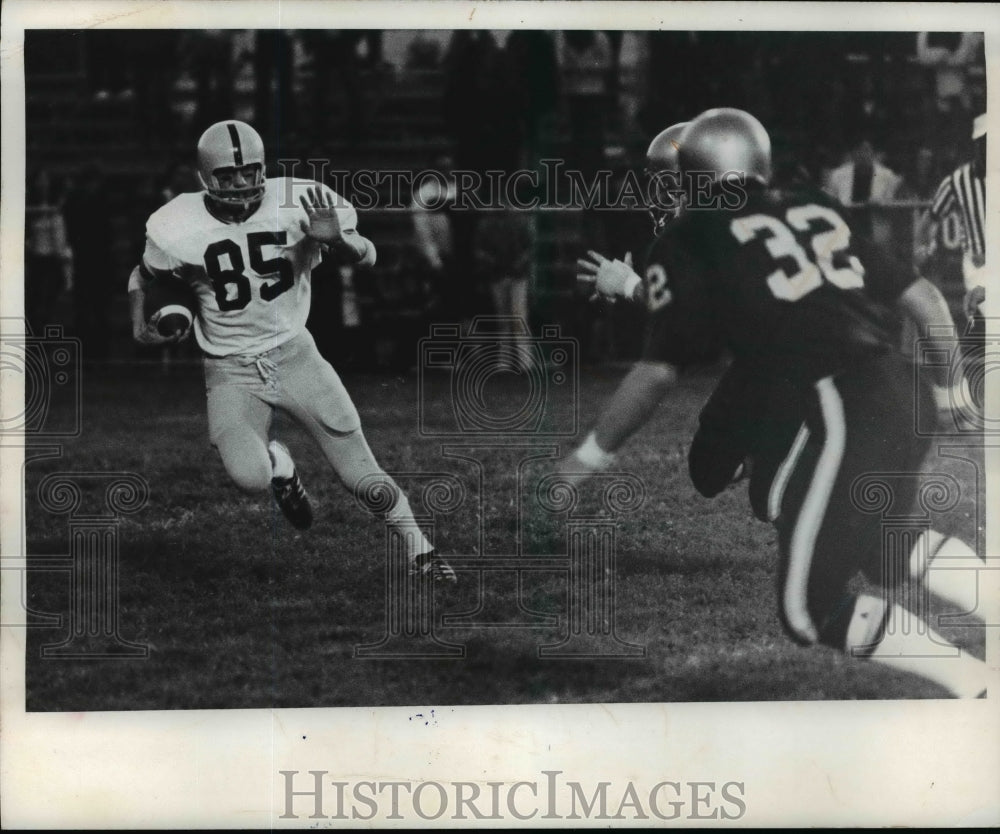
[112,118]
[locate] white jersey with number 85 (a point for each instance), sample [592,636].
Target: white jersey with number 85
[252,278]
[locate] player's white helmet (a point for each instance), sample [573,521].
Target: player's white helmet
[726,141]
[223,149]
[663,169]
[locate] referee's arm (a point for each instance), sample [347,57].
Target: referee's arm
[925,235]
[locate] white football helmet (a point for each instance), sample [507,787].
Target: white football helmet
[225,151]
[726,141]
[665,193]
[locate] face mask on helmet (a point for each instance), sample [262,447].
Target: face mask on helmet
[665,197]
[231,167]
[237,190]
[665,192]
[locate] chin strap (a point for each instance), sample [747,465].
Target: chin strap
[228,212]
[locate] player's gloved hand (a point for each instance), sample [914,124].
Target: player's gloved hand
[609,279]
[145,333]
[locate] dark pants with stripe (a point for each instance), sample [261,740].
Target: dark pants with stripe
[859,423]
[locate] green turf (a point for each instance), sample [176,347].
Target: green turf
[240,610]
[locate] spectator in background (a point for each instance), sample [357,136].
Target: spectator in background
[613,82]
[863,181]
[480,106]
[950,54]
[423,53]
[207,53]
[863,178]
[949,58]
[585,59]
[144,201]
[505,258]
[535,73]
[107,64]
[88,228]
[179,178]
[151,51]
[671,90]
[864,113]
[338,59]
[274,104]
[921,180]
[434,236]
[48,259]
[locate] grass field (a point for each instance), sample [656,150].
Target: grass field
[240,610]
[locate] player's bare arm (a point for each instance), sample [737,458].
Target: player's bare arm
[322,224]
[611,279]
[144,332]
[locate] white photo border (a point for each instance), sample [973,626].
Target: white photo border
[876,763]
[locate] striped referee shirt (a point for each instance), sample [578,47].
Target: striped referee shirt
[964,192]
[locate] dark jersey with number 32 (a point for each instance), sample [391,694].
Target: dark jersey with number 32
[780,282]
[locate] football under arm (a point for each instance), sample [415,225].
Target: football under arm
[629,408]
[142,331]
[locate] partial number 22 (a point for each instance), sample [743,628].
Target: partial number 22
[829,240]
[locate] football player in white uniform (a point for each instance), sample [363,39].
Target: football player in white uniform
[247,246]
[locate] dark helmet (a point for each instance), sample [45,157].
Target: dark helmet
[726,140]
[663,169]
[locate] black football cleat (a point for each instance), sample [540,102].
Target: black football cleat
[293,500]
[434,566]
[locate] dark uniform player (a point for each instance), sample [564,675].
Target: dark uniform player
[817,394]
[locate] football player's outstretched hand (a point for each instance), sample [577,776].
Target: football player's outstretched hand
[608,279]
[322,223]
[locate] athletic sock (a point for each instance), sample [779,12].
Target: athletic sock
[402,521]
[949,569]
[282,465]
[893,636]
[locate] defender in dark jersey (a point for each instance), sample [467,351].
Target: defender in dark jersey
[817,396]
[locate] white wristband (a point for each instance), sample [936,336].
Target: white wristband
[591,455]
[631,283]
